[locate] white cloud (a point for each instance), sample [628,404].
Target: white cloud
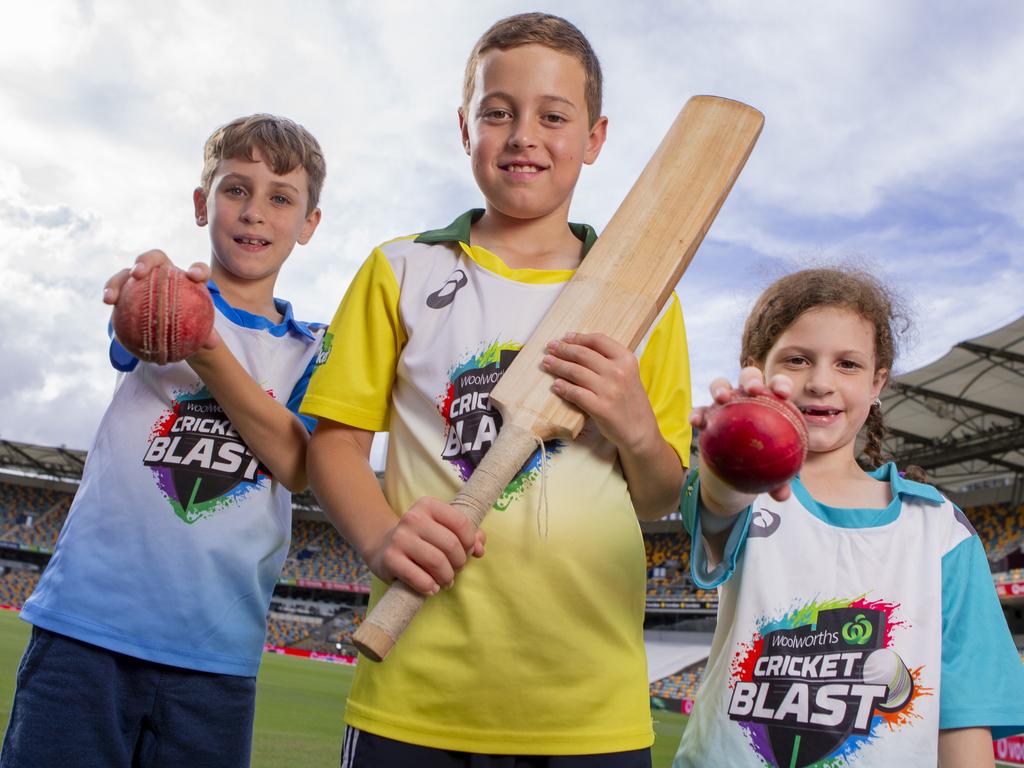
[892,131]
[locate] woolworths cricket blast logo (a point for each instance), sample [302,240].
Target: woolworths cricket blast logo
[816,686]
[198,459]
[471,425]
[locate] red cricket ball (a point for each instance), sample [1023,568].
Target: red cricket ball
[163,317]
[754,442]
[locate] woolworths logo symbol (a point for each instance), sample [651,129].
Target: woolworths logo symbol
[325,349]
[858,631]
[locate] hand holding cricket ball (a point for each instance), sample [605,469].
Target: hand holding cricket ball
[618,290]
[752,440]
[161,313]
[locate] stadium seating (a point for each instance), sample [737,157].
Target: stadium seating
[668,568]
[31,517]
[16,585]
[1001,529]
[283,632]
[1007,577]
[681,686]
[319,553]
[18,501]
[668,559]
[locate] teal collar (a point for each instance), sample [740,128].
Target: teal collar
[903,487]
[869,518]
[458,231]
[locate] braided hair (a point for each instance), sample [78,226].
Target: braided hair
[789,297]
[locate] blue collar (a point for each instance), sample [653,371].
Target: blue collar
[259,322]
[869,518]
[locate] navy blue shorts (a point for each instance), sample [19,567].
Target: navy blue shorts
[80,705]
[366,750]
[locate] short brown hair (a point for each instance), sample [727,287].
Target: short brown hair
[284,144]
[788,298]
[544,29]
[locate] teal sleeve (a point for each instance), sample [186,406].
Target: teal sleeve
[982,673]
[690,508]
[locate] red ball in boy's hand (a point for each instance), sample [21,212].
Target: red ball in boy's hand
[755,443]
[163,317]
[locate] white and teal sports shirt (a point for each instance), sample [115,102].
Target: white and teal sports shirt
[849,637]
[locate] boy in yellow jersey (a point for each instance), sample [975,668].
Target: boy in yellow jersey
[537,648]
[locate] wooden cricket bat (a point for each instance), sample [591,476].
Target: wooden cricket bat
[619,289]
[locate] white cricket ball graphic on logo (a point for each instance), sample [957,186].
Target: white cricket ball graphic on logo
[885,667]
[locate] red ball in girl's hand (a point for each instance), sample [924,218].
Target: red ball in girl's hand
[754,442]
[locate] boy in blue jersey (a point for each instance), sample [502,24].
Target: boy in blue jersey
[150,618]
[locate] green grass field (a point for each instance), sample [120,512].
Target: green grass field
[299,706]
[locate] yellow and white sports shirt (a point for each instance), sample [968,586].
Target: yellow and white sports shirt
[538,649]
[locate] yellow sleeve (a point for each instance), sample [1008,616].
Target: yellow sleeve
[665,373]
[355,369]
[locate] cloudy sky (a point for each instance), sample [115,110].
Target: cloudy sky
[894,137]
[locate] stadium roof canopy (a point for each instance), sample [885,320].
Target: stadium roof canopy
[961,418]
[59,465]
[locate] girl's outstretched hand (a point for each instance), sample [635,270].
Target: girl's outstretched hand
[718,496]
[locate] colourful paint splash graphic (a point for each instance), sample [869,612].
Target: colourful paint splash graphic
[471,425]
[200,463]
[817,684]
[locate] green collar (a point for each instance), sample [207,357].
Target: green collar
[458,231]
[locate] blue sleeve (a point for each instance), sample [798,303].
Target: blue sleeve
[122,360]
[690,508]
[982,673]
[299,391]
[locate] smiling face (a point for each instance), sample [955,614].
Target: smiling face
[256,216]
[829,354]
[527,132]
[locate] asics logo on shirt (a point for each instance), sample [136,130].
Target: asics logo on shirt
[445,295]
[763,524]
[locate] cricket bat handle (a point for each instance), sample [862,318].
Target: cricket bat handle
[400,604]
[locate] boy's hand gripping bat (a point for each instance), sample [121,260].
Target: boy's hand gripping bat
[618,289]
